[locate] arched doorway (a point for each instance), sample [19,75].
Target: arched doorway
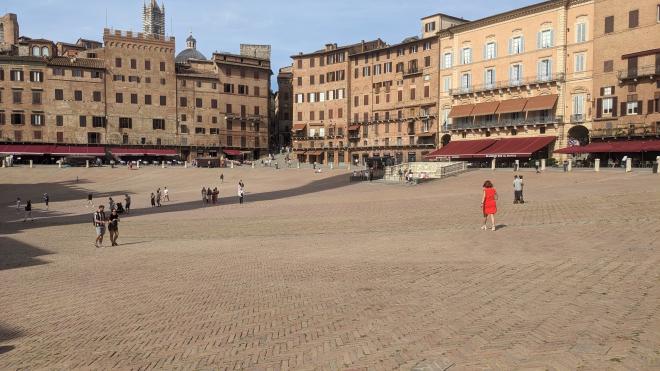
[578,135]
[445,140]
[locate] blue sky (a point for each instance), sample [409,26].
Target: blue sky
[223,25]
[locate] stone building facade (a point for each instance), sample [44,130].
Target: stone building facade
[284,106]
[531,72]
[626,70]
[321,85]
[131,94]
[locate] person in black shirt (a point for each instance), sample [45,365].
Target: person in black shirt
[28,211]
[113,227]
[127,201]
[99,225]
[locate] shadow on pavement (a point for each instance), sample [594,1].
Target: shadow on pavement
[16,254]
[52,218]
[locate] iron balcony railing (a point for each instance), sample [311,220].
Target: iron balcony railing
[504,123]
[577,118]
[632,130]
[506,84]
[633,73]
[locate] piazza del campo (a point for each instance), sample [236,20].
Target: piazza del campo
[482,195]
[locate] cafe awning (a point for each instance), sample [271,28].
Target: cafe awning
[511,106]
[26,149]
[462,149]
[298,127]
[627,146]
[425,135]
[231,152]
[354,127]
[485,108]
[517,147]
[541,102]
[142,151]
[461,111]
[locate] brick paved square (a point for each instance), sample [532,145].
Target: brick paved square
[316,273]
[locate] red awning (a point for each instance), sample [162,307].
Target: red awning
[354,127]
[516,147]
[78,151]
[541,102]
[462,149]
[461,111]
[26,149]
[485,108]
[298,127]
[232,152]
[142,151]
[631,146]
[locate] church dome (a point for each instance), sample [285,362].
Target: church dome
[187,54]
[190,52]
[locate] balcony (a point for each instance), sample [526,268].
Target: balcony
[628,131]
[578,118]
[412,72]
[541,120]
[508,84]
[636,73]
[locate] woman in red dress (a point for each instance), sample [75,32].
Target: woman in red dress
[489,204]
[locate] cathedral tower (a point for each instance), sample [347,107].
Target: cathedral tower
[153,18]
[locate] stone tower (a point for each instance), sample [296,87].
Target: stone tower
[8,30]
[153,18]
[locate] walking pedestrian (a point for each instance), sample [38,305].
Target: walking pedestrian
[241,192]
[99,225]
[522,189]
[203,195]
[489,204]
[127,201]
[18,204]
[565,165]
[111,204]
[209,194]
[89,200]
[28,211]
[517,189]
[158,197]
[166,192]
[214,195]
[46,200]
[113,227]
[536,165]
[222,178]
[153,200]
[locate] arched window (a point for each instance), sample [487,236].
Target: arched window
[36,51]
[45,51]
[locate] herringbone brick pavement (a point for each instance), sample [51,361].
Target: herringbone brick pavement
[359,277]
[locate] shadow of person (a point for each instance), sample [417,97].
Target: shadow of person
[6,348]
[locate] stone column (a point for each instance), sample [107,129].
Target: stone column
[570,164]
[87,163]
[138,164]
[542,164]
[492,164]
[59,164]
[332,165]
[253,164]
[185,164]
[162,164]
[298,164]
[30,164]
[231,164]
[628,165]
[597,165]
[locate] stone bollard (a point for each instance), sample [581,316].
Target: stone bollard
[253,164]
[185,164]
[87,163]
[542,164]
[597,165]
[332,166]
[570,165]
[30,164]
[4,163]
[628,165]
[138,164]
[231,164]
[162,164]
[298,165]
[492,164]
[657,161]
[59,164]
